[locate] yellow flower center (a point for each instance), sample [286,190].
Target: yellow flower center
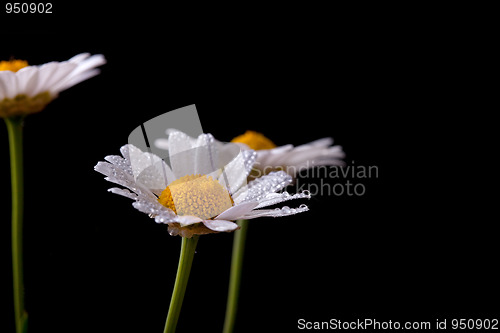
[196,195]
[255,140]
[12,65]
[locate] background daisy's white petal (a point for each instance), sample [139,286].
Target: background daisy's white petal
[45,72]
[337,150]
[320,143]
[58,76]
[79,57]
[271,157]
[8,84]
[27,79]
[169,131]
[185,220]
[237,211]
[278,212]
[161,143]
[260,187]
[89,63]
[220,225]
[299,156]
[74,80]
[84,67]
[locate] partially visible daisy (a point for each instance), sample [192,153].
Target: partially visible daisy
[203,190]
[28,89]
[289,158]
[269,159]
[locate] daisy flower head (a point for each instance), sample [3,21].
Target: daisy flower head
[199,187]
[289,158]
[28,89]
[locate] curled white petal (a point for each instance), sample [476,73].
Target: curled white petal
[188,219]
[220,225]
[235,212]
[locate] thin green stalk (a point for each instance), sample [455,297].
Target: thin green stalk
[14,128]
[188,248]
[235,276]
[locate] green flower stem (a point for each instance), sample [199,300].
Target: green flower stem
[235,276]
[188,248]
[14,128]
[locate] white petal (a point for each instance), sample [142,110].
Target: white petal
[180,155]
[161,143]
[275,198]
[323,143]
[278,212]
[236,171]
[90,63]
[206,158]
[235,212]
[220,225]
[24,76]
[155,177]
[8,84]
[123,192]
[185,220]
[45,71]
[74,80]
[262,186]
[271,157]
[79,57]
[153,207]
[82,68]
[58,75]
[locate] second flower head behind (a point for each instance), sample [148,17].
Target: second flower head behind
[289,158]
[202,189]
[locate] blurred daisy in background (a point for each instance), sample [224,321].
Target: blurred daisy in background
[25,90]
[28,89]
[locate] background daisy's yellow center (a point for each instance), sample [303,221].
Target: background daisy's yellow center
[12,65]
[255,140]
[196,195]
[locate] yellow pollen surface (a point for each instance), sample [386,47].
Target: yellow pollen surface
[254,140]
[196,195]
[12,65]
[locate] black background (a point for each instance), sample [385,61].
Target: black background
[418,245]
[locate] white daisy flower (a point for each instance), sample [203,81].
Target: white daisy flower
[202,189]
[28,89]
[289,158]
